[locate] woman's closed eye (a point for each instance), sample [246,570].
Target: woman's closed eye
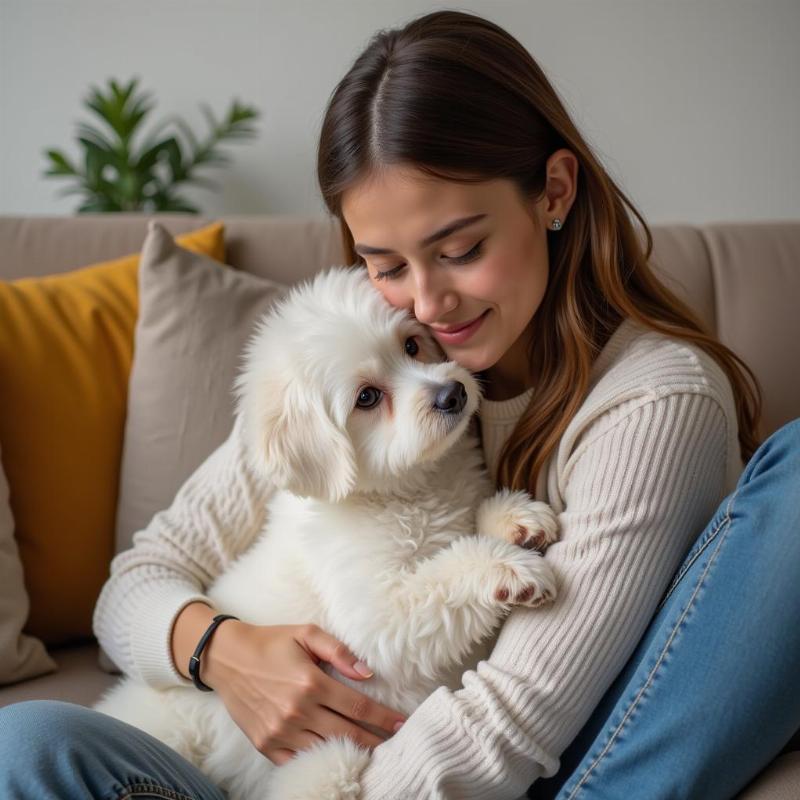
[470,255]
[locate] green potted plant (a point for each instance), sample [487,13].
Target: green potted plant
[116,175]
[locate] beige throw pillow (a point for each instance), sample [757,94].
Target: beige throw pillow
[195,316]
[21,656]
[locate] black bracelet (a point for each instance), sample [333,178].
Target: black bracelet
[194,661]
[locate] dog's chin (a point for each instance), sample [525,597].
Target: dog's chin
[450,430]
[454,427]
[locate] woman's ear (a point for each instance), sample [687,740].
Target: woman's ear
[294,442]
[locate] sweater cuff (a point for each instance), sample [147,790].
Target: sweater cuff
[398,765]
[444,751]
[150,636]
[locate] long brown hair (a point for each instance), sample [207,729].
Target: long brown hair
[458,98]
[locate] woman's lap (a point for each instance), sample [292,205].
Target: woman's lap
[51,750]
[709,697]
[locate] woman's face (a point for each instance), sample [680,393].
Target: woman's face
[492,267]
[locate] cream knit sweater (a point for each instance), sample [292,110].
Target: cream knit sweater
[636,476]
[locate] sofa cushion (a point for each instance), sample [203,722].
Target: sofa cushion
[66,346]
[284,247]
[21,656]
[779,781]
[42,244]
[78,679]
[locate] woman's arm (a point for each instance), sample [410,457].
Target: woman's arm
[641,484]
[215,516]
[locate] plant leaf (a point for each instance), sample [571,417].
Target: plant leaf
[61,165]
[209,115]
[172,148]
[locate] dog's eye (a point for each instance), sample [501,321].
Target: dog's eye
[412,348]
[369,397]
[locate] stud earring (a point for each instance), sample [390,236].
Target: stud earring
[556,224]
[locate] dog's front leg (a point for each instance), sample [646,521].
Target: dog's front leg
[455,599]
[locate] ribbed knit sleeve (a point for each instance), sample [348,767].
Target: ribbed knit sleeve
[639,486]
[215,516]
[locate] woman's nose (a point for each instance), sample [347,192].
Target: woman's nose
[432,301]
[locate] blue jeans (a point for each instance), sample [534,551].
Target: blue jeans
[708,698]
[712,692]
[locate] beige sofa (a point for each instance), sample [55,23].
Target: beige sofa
[743,279]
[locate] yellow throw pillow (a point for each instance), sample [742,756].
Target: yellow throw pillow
[66,347]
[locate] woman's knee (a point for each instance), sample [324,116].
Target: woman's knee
[779,451]
[35,728]
[788,435]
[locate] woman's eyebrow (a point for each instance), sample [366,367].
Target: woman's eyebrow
[451,227]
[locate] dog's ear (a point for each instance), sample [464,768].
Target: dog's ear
[297,445]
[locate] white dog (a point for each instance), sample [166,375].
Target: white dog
[385,529]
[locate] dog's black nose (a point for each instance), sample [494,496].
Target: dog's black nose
[451,398]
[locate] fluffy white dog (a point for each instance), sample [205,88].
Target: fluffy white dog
[385,529]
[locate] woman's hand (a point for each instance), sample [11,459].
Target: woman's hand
[269,680]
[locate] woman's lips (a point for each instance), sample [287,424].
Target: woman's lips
[462,334]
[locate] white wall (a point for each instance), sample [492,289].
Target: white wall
[692,105]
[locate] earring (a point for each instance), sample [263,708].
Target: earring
[556,224]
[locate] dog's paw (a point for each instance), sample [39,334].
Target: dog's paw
[522,579]
[516,518]
[329,770]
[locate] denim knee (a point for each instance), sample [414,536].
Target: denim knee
[34,729]
[782,447]
[789,435]
[51,748]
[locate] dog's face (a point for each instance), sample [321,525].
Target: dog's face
[340,391]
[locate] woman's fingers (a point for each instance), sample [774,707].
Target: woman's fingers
[350,703]
[328,723]
[285,748]
[324,647]
[357,706]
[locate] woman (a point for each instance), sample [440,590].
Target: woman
[467,193]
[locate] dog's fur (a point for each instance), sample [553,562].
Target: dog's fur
[385,530]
